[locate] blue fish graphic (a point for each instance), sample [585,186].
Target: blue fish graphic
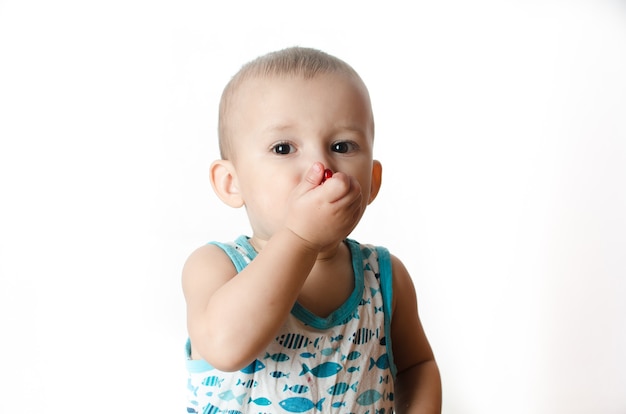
[296,341]
[382,362]
[191,410]
[298,389]
[307,355]
[329,351]
[369,397]
[300,405]
[278,374]
[352,356]
[210,409]
[280,357]
[352,369]
[247,384]
[254,366]
[327,369]
[190,387]
[228,395]
[213,381]
[363,335]
[342,388]
[260,401]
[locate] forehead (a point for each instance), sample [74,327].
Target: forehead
[342,94]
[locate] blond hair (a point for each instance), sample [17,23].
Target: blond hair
[294,61]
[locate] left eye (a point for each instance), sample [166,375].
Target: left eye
[283,148]
[342,147]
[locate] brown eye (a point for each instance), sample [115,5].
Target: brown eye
[342,147]
[282,149]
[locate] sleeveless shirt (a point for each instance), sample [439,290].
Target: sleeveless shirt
[339,364]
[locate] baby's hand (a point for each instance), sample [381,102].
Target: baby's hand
[324,215]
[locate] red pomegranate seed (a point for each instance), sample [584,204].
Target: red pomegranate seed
[327,174]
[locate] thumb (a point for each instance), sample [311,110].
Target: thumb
[314,175]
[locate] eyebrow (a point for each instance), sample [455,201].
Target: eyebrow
[280,127]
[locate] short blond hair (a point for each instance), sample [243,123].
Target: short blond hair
[294,61]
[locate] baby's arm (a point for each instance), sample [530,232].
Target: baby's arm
[418,384]
[232,317]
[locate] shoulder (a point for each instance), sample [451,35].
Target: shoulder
[403,287]
[206,268]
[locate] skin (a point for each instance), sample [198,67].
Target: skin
[285,131]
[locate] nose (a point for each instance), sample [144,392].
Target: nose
[321,154]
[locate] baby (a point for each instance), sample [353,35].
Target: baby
[298,317]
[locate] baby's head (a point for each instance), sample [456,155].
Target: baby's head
[305,63]
[283,114]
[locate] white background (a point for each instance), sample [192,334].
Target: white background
[501,126]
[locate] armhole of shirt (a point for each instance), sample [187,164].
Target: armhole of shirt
[386,287]
[200,365]
[235,257]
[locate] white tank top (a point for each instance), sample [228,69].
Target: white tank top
[339,364]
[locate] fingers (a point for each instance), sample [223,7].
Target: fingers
[315,174]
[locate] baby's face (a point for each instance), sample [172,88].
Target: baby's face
[281,126]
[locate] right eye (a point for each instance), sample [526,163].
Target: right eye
[283,148]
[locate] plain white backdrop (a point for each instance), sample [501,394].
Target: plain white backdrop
[501,126]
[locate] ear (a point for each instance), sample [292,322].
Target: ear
[377,177]
[224,183]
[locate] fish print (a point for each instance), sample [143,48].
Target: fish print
[329,351]
[247,384]
[363,335]
[280,357]
[210,409]
[342,388]
[300,404]
[307,355]
[369,397]
[260,401]
[352,356]
[213,381]
[190,387]
[296,341]
[297,389]
[327,369]
[279,374]
[382,362]
[229,395]
[254,366]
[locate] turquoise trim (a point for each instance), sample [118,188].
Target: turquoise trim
[195,365]
[236,258]
[386,286]
[244,241]
[341,314]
